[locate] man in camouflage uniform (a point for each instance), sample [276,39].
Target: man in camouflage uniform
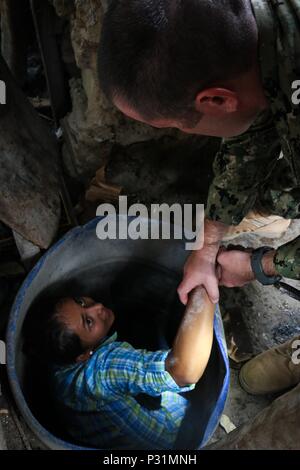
[251,169]
[244,88]
[263,167]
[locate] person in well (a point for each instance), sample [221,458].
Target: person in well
[99,384]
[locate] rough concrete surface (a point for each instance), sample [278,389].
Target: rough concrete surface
[2,439]
[269,317]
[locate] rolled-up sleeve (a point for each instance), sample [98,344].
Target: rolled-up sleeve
[287,260]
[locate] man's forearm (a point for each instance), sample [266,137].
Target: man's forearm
[192,346]
[213,233]
[285,261]
[236,268]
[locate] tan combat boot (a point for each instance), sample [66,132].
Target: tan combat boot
[274,370]
[268,226]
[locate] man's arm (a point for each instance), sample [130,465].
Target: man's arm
[200,269]
[191,350]
[236,268]
[285,261]
[241,167]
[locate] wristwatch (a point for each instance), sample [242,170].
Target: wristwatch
[257,268]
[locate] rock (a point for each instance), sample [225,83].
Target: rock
[94,125]
[274,428]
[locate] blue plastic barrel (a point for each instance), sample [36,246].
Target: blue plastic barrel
[147,271]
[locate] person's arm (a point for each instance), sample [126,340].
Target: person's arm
[191,350]
[241,167]
[200,269]
[285,261]
[120,368]
[236,270]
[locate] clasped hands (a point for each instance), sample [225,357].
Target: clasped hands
[212,268]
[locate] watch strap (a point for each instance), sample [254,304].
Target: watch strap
[257,268]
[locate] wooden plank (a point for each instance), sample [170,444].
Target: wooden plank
[29,168]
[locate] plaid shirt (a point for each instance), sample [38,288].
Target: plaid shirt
[102,399]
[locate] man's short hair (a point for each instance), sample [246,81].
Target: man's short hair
[157,55]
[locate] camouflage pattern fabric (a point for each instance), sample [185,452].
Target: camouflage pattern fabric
[261,168]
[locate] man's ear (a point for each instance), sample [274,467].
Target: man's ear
[84,356]
[216,102]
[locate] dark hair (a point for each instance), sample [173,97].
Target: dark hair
[158,54]
[47,337]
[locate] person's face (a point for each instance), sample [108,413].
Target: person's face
[89,320]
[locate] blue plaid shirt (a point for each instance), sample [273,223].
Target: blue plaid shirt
[106,400]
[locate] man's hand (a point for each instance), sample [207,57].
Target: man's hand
[200,270]
[235,268]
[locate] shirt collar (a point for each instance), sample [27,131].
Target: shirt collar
[108,340]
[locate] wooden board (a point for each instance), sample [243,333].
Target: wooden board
[29,169]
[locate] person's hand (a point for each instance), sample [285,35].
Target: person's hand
[200,270]
[235,268]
